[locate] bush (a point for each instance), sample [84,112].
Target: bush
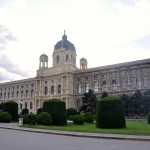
[88,117]
[29,119]
[12,108]
[5,117]
[57,109]
[44,118]
[71,111]
[78,119]
[94,117]
[39,110]
[110,113]
[71,117]
[25,111]
[148,117]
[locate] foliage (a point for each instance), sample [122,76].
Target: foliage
[5,117]
[110,113]
[148,117]
[71,111]
[71,117]
[104,94]
[12,108]
[39,110]
[89,102]
[25,111]
[78,119]
[44,118]
[57,109]
[29,119]
[88,117]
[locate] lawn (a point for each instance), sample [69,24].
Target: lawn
[133,127]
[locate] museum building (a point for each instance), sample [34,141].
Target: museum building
[67,82]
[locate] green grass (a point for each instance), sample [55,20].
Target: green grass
[133,127]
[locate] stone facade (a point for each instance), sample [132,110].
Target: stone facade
[67,82]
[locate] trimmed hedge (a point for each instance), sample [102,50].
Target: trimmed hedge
[25,111]
[78,119]
[110,113]
[71,111]
[29,119]
[148,117]
[5,117]
[88,117]
[12,108]
[39,110]
[44,118]
[57,109]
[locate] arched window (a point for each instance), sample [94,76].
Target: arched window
[4,95]
[26,105]
[145,81]
[32,93]
[8,95]
[12,94]
[124,84]
[17,94]
[46,90]
[96,87]
[52,89]
[67,58]
[21,94]
[57,59]
[59,89]
[31,106]
[26,93]
[87,87]
[114,85]
[79,88]
[134,82]
[1,96]
[104,86]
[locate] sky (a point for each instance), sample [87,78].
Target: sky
[104,32]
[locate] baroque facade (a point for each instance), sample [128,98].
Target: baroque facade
[67,82]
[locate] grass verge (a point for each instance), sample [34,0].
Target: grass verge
[133,127]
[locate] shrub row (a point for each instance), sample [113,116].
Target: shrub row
[5,117]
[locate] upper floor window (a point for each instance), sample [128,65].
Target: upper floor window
[145,81]
[114,85]
[26,93]
[31,105]
[32,93]
[59,89]
[12,94]
[1,96]
[124,84]
[45,90]
[67,58]
[8,95]
[96,87]
[17,94]
[52,89]
[21,94]
[57,59]
[87,87]
[134,82]
[79,88]
[104,86]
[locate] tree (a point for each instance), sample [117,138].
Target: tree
[127,104]
[137,101]
[89,102]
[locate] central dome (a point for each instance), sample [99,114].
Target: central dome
[64,43]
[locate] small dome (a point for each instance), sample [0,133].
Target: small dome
[43,57]
[83,59]
[64,43]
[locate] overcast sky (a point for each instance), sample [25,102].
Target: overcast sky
[103,31]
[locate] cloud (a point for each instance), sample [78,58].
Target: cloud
[11,68]
[5,37]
